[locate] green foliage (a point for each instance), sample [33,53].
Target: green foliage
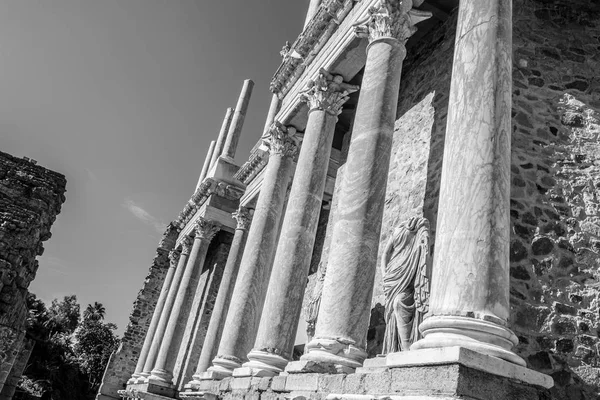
[70,354]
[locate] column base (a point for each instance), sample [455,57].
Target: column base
[160,377]
[334,352]
[261,364]
[478,335]
[223,367]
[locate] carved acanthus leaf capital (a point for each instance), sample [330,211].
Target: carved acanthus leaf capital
[206,229]
[186,246]
[281,140]
[243,218]
[174,257]
[395,19]
[327,92]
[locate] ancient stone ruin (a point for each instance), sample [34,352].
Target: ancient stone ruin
[480,117]
[30,199]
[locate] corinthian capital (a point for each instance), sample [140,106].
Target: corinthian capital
[395,19]
[243,218]
[327,92]
[174,257]
[186,246]
[281,140]
[206,229]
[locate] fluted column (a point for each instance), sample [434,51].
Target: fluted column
[163,368]
[250,289]
[222,136]
[219,313]
[275,340]
[340,337]
[469,304]
[237,122]
[174,256]
[186,247]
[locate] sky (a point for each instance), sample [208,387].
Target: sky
[123,97]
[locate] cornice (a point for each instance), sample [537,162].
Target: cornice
[308,44]
[257,161]
[207,188]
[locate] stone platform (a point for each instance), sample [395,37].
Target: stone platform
[451,373]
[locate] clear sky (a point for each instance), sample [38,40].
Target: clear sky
[124,97]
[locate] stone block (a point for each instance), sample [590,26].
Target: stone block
[264,383]
[225,384]
[378,382]
[240,383]
[278,383]
[302,382]
[354,384]
[331,383]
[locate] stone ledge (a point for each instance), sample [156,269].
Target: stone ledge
[470,359]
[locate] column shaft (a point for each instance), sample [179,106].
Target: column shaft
[219,313]
[275,340]
[168,307]
[207,163]
[249,293]
[222,136]
[340,336]
[235,129]
[469,304]
[158,310]
[162,371]
[273,110]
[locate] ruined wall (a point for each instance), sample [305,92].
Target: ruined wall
[123,361]
[555,180]
[30,199]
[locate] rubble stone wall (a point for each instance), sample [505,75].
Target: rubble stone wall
[30,199]
[555,209]
[123,361]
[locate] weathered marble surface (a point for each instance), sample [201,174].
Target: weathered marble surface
[174,256]
[470,283]
[219,314]
[340,336]
[237,121]
[186,247]
[207,163]
[249,293]
[222,136]
[275,339]
[165,360]
[312,10]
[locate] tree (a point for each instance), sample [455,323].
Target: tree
[64,315]
[94,312]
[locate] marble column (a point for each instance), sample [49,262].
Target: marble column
[275,339]
[222,136]
[313,7]
[219,313]
[174,256]
[340,336]
[237,122]
[273,110]
[469,303]
[207,163]
[186,247]
[163,368]
[250,289]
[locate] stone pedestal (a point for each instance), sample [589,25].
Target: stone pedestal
[162,372]
[275,339]
[219,313]
[158,310]
[469,303]
[250,289]
[340,335]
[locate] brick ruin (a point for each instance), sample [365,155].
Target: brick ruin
[30,199]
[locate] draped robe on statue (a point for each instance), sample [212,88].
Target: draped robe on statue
[405,283]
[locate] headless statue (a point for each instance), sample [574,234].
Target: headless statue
[405,283]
